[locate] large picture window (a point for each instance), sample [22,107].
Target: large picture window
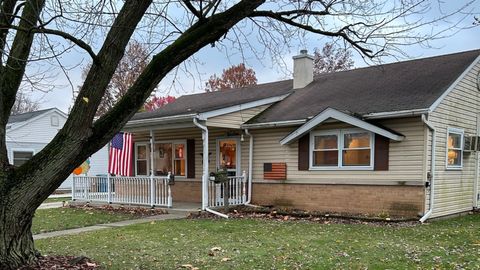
[170,157]
[341,149]
[454,148]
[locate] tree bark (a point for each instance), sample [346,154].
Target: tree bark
[16,241]
[31,183]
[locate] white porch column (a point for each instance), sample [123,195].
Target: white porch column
[205,163]
[152,187]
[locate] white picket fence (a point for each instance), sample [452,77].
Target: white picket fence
[153,191]
[237,187]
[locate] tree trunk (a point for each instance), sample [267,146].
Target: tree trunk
[16,241]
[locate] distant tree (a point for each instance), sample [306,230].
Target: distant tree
[157,102]
[331,59]
[23,103]
[130,67]
[237,76]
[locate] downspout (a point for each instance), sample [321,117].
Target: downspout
[432,168]
[250,166]
[477,154]
[205,163]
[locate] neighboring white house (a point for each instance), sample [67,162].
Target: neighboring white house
[28,133]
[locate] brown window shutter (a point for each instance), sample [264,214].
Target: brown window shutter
[190,158]
[303,152]
[382,145]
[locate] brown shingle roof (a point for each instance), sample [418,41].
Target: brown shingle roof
[408,85]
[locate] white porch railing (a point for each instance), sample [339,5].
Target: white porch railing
[153,191]
[236,187]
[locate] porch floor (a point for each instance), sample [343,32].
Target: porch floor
[185,206]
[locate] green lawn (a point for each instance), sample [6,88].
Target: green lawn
[258,244]
[56,219]
[62,199]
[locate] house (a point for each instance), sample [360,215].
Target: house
[28,133]
[398,139]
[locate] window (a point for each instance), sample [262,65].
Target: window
[454,148]
[356,149]
[20,157]
[341,149]
[170,157]
[142,159]
[325,150]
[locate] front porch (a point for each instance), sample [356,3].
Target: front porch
[153,191]
[170,169]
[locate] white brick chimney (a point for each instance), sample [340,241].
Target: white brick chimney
[302,69]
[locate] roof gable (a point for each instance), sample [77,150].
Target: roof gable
[343,117]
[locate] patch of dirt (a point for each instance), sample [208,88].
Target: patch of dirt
[136,211]
[268,213]
[62,263]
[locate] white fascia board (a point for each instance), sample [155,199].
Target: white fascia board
[395,114]
[340,116]
[159,120]
[244,106]
[285,123]
[454,84]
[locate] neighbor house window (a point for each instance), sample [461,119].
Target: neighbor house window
[142,154]
[454,148]
[341,148]
[20,157]
[170,157]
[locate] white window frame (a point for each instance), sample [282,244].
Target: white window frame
[147,158]
[460,132]
[173,142]
[340,142]
[20,150]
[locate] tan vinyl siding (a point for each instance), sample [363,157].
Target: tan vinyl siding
[454,188]
[235,119]
[406,158]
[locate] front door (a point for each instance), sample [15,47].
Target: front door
[228,155]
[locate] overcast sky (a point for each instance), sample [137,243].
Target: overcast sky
[210,61]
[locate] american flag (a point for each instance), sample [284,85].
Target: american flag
[120,155]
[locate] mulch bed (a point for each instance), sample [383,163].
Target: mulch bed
[136,211]
[269,213]
[62,263]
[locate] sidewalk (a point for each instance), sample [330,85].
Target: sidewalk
[171,215]
[50,205]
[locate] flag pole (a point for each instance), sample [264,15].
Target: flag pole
[109,186]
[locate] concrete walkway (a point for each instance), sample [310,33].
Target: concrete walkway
[50,205]
[171,215]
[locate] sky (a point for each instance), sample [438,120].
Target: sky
[210,60]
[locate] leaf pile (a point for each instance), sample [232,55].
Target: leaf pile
[62,263]
[265,213]
[132,210]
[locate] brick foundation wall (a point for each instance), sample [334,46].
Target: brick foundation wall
[406,201]
[184,191]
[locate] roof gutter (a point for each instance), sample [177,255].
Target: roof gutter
[158,120]
[395,114]
[380,115]
[274,124]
